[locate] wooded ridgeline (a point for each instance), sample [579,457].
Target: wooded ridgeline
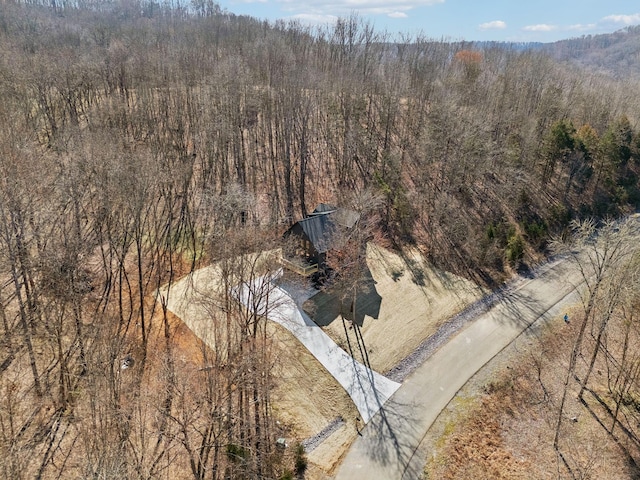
[452,137]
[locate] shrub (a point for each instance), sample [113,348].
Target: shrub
[515,248]
[236,453]
[301,460]
[287,475]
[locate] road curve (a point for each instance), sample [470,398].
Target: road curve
[191,298]
[388,444]
[368,389]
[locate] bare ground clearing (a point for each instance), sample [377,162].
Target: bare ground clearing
[415,299]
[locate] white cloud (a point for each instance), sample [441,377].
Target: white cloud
[392,8]
[579,27]
[624,19]
[313,19]
[542,27]
[495,25]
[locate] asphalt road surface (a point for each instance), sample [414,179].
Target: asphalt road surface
[388,446]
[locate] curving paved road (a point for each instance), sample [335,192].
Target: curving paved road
[191,299]
[368,389]
[388,447]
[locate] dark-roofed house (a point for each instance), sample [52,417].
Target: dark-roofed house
[324,208]
[315,236]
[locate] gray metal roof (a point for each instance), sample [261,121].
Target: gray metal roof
[320,229]
[324,208]
[323,225]
[346,218]
[342,216]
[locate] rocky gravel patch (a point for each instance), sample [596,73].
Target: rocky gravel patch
[312,442]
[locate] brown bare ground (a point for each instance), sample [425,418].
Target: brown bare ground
[501,424]
[416,299]
[307,398]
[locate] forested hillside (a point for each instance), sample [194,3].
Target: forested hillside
[139,141]
[616,54]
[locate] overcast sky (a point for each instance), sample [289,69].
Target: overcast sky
[501,20]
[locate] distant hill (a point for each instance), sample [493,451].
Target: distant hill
[616,54]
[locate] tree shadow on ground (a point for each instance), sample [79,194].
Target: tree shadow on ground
[521,305]
[328,305]
[389,440]
[629,436]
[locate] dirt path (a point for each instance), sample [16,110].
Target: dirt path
[388,447]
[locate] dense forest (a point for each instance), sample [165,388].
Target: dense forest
[141,140]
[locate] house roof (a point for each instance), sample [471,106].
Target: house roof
[346,218]
[320,229]
[342,216]
[322,226]
[324,208]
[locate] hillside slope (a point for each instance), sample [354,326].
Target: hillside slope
[616,54]
[140,141]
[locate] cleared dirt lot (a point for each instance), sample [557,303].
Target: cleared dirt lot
[411,300]
[414,300]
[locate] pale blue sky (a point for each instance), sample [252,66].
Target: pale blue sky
[501,20]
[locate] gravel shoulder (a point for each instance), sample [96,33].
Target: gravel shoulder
[388,447]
